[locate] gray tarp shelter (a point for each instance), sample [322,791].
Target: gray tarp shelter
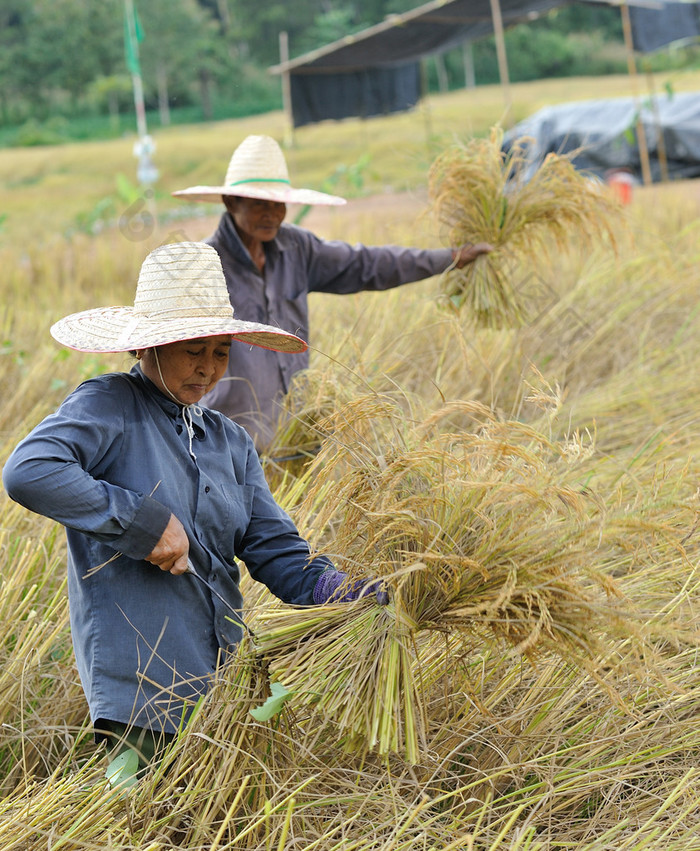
[596,134]
[377,71]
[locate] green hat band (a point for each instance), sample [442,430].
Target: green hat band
[260,180]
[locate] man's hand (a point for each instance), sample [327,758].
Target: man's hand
[468,253]
[171,551]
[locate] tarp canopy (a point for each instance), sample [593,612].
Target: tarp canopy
[599,134]
[376,71]
[433,27]
[654,28]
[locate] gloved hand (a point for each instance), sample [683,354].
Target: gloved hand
[328,590]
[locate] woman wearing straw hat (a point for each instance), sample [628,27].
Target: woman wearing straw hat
[271,267]
[151,487]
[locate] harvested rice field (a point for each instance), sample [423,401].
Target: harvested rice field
[528,490]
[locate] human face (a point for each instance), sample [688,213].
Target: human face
[256,220]
[188,369]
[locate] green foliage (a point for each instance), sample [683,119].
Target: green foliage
[541,53]
[209,57]
[33,132]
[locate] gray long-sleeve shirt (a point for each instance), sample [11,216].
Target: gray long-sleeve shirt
[111,465]
[296,263]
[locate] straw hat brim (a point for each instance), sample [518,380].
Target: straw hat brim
[117,329]
[281,194]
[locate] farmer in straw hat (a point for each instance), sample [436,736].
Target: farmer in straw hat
[271,267]
[151,488]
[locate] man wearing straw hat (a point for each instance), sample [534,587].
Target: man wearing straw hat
[271,266]
[156,492]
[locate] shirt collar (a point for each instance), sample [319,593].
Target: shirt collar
[168,405]
[230,236]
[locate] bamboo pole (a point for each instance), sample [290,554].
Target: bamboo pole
[468,60]
[427,114]
[660,141]
[632,70]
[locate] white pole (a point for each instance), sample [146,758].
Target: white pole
[136,80]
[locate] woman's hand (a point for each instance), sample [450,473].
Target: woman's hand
[171,551]
[468,253]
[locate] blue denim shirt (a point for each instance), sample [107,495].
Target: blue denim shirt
[111,465]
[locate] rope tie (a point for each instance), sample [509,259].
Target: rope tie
[187,410]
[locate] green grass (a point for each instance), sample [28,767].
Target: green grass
[60,131]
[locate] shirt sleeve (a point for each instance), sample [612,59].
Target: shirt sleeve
[338,267]
[55,471]
[272,548]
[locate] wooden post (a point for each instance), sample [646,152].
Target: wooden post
[286,90]
[427,115]
[632,70]
[468,59]
[660,141]
[441,72]
[502,60]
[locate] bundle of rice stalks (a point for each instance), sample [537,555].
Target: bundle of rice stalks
[482,536]
[473,528]
[481,193]
[354,668]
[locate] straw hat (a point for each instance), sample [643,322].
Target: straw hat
[258,170]
[181,295]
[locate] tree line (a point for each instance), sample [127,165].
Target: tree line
[65,59]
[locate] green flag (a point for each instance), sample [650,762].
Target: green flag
[133,35]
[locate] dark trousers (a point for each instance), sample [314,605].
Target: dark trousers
[148,744]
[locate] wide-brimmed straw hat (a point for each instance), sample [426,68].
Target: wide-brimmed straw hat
[258,170]
[181,294]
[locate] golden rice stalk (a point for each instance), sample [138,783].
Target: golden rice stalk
[354,666]
[479,193]
[313,395]
[480,536]
[477,531]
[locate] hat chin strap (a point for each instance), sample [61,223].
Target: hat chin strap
[187,410]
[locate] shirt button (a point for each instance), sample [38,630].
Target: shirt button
[207,489]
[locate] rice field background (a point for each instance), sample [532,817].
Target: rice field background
[530,494]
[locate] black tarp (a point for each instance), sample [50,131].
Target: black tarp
[654,28]
[377,72]
[601,136]
[361,94]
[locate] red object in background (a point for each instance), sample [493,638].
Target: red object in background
[621,182]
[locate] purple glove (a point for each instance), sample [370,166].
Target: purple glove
[327,588]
